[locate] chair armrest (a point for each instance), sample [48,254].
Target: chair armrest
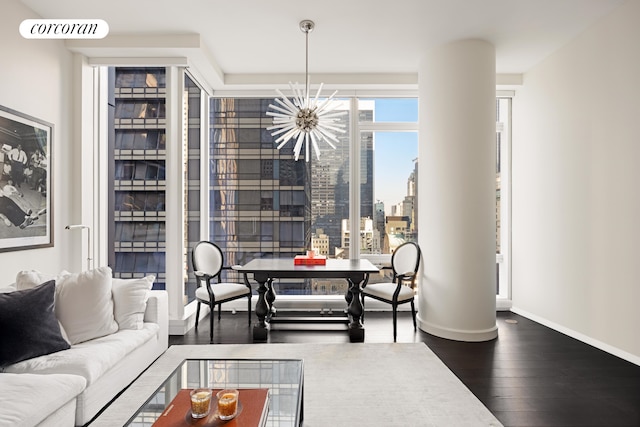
[409,275]
[201,275]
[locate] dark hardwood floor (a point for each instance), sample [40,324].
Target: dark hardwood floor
[529,376]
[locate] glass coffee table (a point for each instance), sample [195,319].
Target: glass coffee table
[283,378]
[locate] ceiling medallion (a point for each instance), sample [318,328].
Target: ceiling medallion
[305,119]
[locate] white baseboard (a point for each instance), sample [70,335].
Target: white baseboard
[579,336]
[294,303]
[503,304]
[182,326]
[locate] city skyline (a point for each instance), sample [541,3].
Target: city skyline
[398,149]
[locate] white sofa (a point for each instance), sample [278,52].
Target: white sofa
[71,386]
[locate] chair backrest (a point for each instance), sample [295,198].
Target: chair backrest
[208,258]
[406,259]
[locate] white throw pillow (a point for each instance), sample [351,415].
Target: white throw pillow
[84,305]
[130,301]
[7,289]
[32,278]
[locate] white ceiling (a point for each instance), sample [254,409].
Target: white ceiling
[353,37]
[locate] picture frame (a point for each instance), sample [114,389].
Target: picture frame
[26,177]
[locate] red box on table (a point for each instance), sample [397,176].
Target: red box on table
[307,260]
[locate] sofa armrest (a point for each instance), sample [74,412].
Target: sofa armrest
[158,312]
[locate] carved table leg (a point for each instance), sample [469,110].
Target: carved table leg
[270,296]
[261,329]
[355,310]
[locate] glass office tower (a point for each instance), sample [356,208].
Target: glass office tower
[265,204]
[137,173]
[260,198]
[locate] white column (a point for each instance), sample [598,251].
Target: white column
[456,191]
[175,250]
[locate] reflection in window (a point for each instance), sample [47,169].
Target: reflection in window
[291,172]
[139,201]
[249,200]
[140,77]
[292,234]
[266,169]
[150,170]
[124,170]
[137,231]
[191,147]
[266,201]
[249,169]
[140,262]
[140,140]
[247,231]
[246,180]
[140,109]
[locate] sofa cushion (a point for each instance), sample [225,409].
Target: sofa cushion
[90,359]
[6,289]
[28,325]
[31,279]
[83,305]
[28,399]
[130,301]
[28,279]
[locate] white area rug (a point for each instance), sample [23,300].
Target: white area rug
[344,384]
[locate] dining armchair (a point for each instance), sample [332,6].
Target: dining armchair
[208,263]
[405,262]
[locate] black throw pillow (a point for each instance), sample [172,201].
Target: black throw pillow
[28,324]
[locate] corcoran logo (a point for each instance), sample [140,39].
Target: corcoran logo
[64,29]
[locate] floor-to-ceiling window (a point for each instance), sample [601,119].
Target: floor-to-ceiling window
[503,191]
[138,182]
[266,204]
[193,102]
[260,198]
[389,165]
[137,142]
[258,201]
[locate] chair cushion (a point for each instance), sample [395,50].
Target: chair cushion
[222,291]
[386,290]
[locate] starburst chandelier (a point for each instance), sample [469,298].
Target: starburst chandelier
[304,119]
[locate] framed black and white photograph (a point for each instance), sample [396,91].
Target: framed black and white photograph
[25,182]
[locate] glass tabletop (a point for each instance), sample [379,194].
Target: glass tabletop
[283,378]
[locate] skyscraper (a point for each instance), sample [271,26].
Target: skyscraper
[137,173]
[265,204]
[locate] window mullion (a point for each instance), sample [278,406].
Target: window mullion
[354,181]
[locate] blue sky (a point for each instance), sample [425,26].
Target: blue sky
[394,151]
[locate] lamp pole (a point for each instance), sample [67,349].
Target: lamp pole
[82,226]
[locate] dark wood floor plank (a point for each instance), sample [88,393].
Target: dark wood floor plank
[529,376]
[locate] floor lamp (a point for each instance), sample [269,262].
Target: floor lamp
[81,226]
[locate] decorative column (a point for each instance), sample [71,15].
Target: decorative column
[457,191]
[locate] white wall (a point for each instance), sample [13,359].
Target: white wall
[35,78]
[576,187]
